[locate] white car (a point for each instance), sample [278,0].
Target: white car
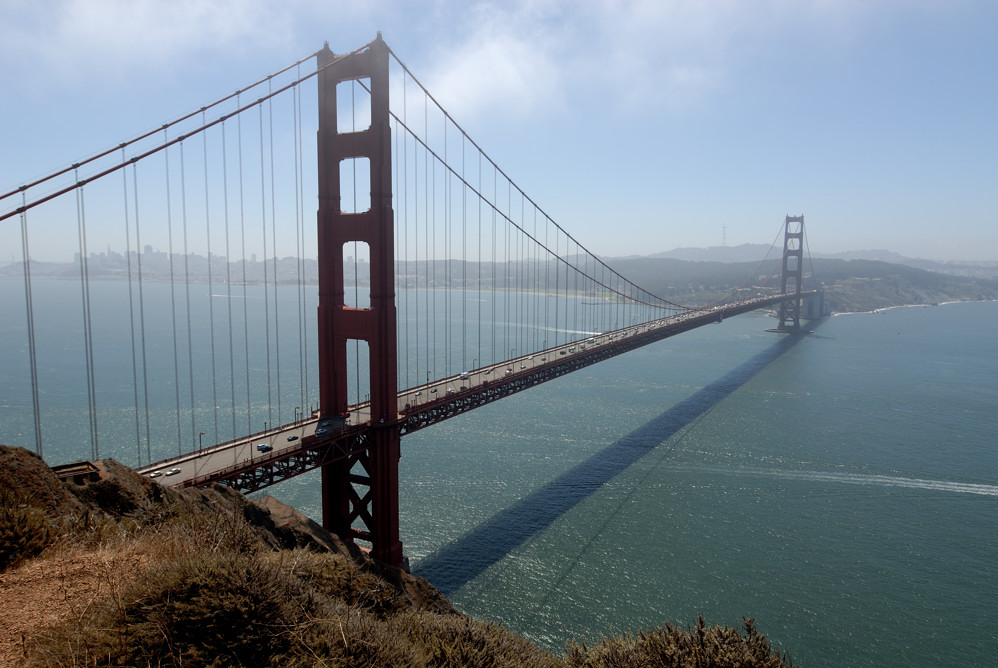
[173,471]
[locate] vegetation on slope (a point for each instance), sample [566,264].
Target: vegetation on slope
[850,285]
[131,573]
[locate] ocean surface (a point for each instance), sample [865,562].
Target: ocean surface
[841,487]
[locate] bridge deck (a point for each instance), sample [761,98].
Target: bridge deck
[263,459]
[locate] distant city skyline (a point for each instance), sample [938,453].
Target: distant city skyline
[746,252]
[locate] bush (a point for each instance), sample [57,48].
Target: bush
[24,530]
[702,647]
[220,609]
[338,577]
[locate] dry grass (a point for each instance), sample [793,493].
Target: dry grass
[25,530]
[135,574]
[671,646]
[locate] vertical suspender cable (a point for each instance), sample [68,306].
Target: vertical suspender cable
[430,276]
[433,255]
[495,328]
[586,313]
[299,244]
[405,224]
[412,223]
[557,289]
[228,282]
[242,234]
[516,269]
[415,239]
[131,315]
[464,263]
[524,276]
[568,279]
[266,294]
[480,358]
[534,287]
[88,347]
[173,292]
[447,256]
[142,312]
[29,313]
[547,281]
[187,291]
[211,306]
[505,284]
[273,230]
[304,319]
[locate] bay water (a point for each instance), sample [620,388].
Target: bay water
[841,488]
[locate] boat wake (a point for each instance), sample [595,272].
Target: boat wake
[876,480]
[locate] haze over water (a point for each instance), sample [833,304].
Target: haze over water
[840,488]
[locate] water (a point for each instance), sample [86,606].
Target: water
[842,489]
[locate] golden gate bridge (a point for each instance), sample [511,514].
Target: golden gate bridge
[438,286]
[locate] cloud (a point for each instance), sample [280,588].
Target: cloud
[504,65]
[518,58]
[68,39]
[523,57]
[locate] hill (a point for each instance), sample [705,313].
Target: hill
[850,285]
[752,253]
[120,570]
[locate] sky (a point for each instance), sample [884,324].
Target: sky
[639,126]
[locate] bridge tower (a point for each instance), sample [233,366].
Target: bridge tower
[362,487]
[793,255]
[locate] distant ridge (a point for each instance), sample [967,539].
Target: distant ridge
[755,252]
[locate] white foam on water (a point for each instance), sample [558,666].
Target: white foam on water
[873,479]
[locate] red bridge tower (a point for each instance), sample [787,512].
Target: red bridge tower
[793,256]
[361,488]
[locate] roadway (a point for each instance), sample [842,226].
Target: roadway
[285,441]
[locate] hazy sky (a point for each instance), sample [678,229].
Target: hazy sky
[639,126]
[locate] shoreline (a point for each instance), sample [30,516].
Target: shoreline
[889,308]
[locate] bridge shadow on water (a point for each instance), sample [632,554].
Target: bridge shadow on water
[463,560]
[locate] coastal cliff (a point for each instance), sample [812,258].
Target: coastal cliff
[117,569]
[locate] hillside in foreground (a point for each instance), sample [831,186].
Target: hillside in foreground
[119,570]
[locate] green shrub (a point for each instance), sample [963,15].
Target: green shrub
[220,609]
[668,646]
[336,576]
[24,530]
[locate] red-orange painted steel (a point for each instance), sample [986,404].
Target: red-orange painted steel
[793,259]
[338,324]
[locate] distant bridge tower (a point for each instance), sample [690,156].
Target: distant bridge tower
[793,255]
[360,485]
